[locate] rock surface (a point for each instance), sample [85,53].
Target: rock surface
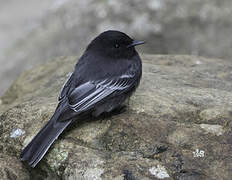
[178,125]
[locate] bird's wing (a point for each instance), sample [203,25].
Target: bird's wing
[88,94]
[65,87]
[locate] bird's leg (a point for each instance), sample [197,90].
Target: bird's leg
[119,110]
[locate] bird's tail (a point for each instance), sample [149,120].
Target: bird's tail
[40,144]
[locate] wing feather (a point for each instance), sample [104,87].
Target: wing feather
[87,95]
[65,87]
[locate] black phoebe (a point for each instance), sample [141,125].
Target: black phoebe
[107,73]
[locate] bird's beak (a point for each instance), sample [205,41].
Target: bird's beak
[135,43]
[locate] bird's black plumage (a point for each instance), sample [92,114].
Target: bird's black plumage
[105,76]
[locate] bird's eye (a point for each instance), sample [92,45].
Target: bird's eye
[116,45]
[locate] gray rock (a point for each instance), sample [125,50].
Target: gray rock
[177,126]
[11,168]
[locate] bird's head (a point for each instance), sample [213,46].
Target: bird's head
[114,44]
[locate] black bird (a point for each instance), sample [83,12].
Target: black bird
[107,73]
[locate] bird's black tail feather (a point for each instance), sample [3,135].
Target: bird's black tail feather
[40,144]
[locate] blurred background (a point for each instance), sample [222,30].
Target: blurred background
[32,32]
